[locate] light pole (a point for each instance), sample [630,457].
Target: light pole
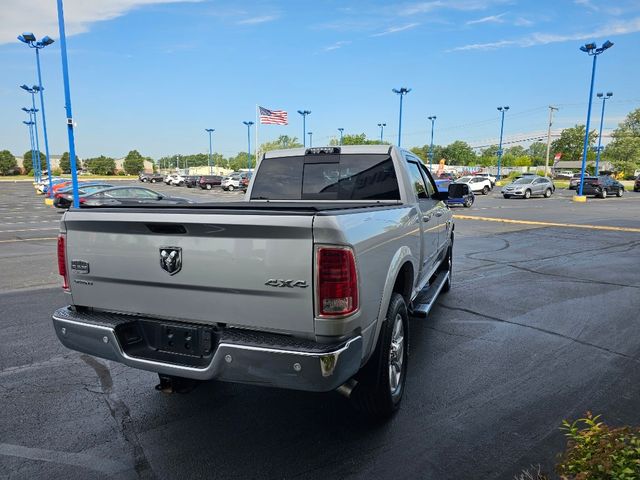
[210,131]
[248,124]
[29,124]
[502,110]
[604,100]
[433,121]
[402,92]
[382,125]
[546,162]
[592,50]
[38,163]
[310,139]
[304,114]
[341,130]
[30,39]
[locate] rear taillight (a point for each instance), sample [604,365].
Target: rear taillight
[336,282]
[62,260]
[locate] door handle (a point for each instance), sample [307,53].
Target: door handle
[426,218]
[438,213]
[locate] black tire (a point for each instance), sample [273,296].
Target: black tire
[619,192]
[153,180]
[467,203]
[485,190]
[506,196]
[374,395]
[547,193]
[230,188]
[208,186]
[603,193]
[527,194]
[145,180]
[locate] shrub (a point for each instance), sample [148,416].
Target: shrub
[533,473]
[121,173]
[596,451]
[56,172]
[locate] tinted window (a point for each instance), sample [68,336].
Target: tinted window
[417,181]
[327,177]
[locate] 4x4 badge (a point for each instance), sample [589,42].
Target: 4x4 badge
[278,282]
[171,259]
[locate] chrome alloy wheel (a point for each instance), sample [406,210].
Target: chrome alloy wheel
[396,356]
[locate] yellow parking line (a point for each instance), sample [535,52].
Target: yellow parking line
[29,239]
[548,224]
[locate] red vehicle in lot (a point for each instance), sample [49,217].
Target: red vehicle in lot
[209,181]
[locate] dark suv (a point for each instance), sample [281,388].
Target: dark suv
[192,181]
[151,177]
[601,186]
[209,181]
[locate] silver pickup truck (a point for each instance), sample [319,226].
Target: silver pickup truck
[308,284]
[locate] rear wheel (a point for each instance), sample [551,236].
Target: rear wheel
[619,192]
[485,190]
[468,202]
[153,180]
[527,194]
[208,186]
[506,196]
[381,381]
[547,193]
[230,188]
[603,193]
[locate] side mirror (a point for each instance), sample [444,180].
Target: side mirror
[457,190]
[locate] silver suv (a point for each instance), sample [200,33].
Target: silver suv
[529,185]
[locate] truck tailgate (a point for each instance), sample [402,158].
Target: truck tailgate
[202,267]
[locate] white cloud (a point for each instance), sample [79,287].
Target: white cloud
[257,20]
[461,5]
[336,45]
[610,29]
[489,19]
[523,22]
[41,16]
[396,29]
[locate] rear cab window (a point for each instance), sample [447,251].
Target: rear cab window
[331,176]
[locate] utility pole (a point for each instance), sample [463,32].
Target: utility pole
[546,163]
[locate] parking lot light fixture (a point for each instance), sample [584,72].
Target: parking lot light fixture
[34,110]
[29,125]
[210,131]
[30,39]
[310,139]
[592,50]
[433,121]
[604,100]
[402,91]
[502,111]
[341,130]
[382,125]
[248,124]
[304,114]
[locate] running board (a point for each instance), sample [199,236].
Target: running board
[429,296]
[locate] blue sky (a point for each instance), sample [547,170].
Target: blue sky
[153,74]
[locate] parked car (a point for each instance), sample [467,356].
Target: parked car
[151,177]
[462,194]
[602,186]
[64,198]
[528,186]
[174,179]
[574,181]
[447,176]
[131,196]
[317,295]
[490,177]
[244,182]
[209,181]
[636,185]
[476,184]
[232,182]
[191,181]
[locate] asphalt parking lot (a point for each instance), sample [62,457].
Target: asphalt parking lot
[541,324]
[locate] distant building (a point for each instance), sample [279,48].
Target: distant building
[54,159]
[148,166]
[577,165]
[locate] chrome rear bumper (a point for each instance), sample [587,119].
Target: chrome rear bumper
[239,356]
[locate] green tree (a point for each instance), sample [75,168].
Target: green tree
[356,139]
[423,153]
[624,150]
[101,165]
[133,163]
[8,163]
[458,153]
[537,151]
[282,142]
[571,143]
[27,166]
[65,163]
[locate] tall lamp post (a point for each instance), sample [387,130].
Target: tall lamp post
[592,50]
[38,163]
[304,114]
[248,124]
[210,131]
[310,139]
[29,124]
[341,130]
[502,110]
[546,162]
[35,155]
[433,121]
[402,91]
[604,100]
[30,39]
[382,125]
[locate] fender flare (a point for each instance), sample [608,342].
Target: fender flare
[399,259]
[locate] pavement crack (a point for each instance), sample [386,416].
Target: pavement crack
[122,416]
[542,330]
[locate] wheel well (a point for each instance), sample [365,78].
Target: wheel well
[404,282]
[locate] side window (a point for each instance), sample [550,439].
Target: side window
[431,190]
[419,186]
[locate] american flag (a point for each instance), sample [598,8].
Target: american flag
[273,117]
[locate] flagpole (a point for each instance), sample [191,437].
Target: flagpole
[257,123]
